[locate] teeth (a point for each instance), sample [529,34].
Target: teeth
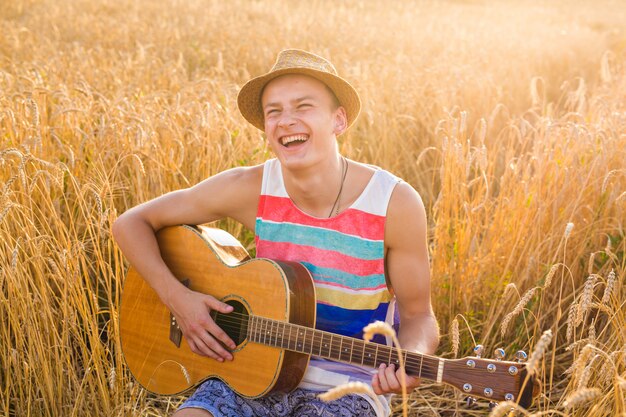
[288,139]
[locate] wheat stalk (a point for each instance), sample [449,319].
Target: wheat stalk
[382,328]
[528,295]
[581,396]
[352,388]
[539,351]
[454,331]
[610,285]
[585,299]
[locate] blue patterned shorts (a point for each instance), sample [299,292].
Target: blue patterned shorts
[218,399]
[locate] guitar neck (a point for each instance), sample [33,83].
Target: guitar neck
[339,348]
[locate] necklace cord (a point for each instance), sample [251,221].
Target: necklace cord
[344,172]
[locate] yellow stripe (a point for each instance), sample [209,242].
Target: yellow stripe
[352,301]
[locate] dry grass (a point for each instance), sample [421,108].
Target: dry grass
[508,117]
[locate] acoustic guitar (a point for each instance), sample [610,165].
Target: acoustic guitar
[273,325]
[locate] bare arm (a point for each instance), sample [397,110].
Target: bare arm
[233,193]
[408,269]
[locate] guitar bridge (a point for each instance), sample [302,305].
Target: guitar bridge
[176,335]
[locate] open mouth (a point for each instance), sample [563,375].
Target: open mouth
[293,140]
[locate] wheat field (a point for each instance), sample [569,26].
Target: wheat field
[508,117]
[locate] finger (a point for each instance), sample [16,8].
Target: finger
[217,332]
[204,342]
[200,349]
[215,347]
[206,351]
[382,378]
[213,328]
[392,379]
[193,347]
[411,382]
[198,346]
[376,385]
[400,374]
[215,304]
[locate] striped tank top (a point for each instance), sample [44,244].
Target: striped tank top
[344,254]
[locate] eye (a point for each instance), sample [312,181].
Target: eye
[271,112]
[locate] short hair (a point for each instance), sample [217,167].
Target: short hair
[333,97]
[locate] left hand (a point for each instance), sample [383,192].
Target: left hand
[387,380]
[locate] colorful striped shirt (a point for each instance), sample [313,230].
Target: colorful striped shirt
[345,255]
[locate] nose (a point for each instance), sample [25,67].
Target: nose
[286,119]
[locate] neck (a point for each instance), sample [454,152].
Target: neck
[314,189]
[336,347]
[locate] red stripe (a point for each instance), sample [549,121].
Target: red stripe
[285,251]
[351,221]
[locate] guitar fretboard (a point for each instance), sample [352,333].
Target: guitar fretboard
[337,347]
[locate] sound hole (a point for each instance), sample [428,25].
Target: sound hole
[235,323]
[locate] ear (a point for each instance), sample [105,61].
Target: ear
[341,121]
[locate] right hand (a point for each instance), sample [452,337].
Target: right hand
[192,311]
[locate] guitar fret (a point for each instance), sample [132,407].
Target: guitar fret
[326,345]
[312,341]
[272,333]
[280,332]
[321,342]
[305,339]
[393,357]
[355,352]
[264,327]
[270,329]
[367,355]
[289,337]
[315,345]
[256,329]
[298,343]
[421,363]
[376,357]
[352,350]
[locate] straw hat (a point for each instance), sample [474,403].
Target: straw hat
[296,61]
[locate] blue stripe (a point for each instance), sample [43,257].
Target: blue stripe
[320,238]
[338,276]
[348,322]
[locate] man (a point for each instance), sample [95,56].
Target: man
[359,230]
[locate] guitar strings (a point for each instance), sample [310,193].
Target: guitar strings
[423,366]
[231,322]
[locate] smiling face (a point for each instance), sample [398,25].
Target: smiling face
[302,120]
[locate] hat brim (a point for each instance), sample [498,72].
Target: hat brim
[249,98]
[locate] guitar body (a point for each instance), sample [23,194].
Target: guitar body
[212,262]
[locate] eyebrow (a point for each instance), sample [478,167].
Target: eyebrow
[298,100]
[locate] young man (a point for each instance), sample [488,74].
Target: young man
[359,230]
